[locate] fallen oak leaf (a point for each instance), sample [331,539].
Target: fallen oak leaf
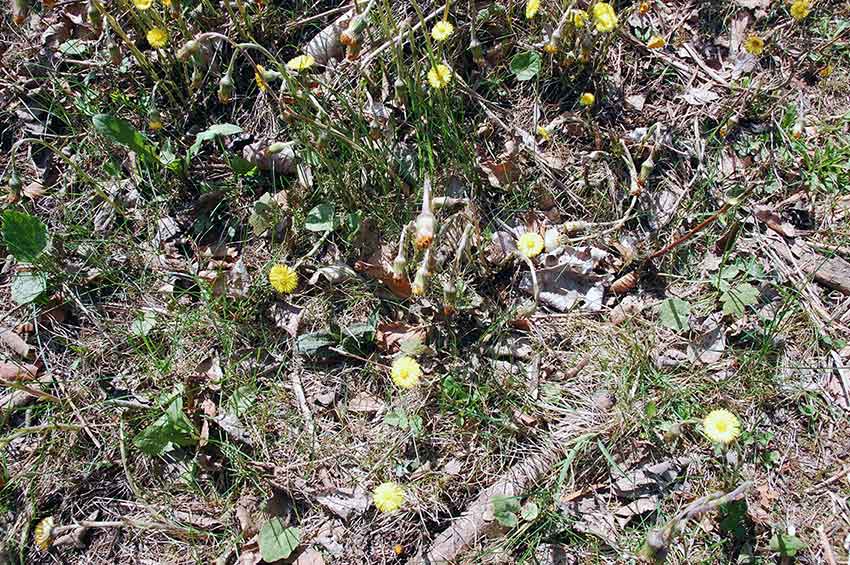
[17,372]
[15,342]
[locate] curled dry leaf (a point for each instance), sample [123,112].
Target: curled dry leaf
[325,45]
[16,343]
[17,372]
[774,221]
[390,336]
[378,266]
[345,502]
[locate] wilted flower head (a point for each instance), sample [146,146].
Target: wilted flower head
[260,79]
[754,44]
[604,17]
[157,37]
[283,279]
[405,372]
[43,534]
[442,30]
[531,8]
[301,63]
[530,244]
[388,497]
[721,426]
[439,76]
[656,42]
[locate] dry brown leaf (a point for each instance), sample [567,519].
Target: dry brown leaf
[365,402]
[377,266]
[17,372]
[310,557]
[15,342]
[345,502]
[774,221]
[391,335]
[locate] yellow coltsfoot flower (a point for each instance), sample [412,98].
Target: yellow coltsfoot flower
[43,534]
[258,78]
[578,17]
[301,63]
[656,42]
[439,76]
[587,99]
[442,30]
[604,17]
[531,8]
[157,37]
[283,279]
[388,497]
[530,244]
[142,4]
[721,426]
[406,372]
[800,9]
[754,45]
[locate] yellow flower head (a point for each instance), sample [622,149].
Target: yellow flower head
[531,8]
[656,42]
[44,533]
[550,48]
[258,78]
[406,372]
[439,76]
[800,9]
[388,497]
[301,63]
[604,17]
[587,99]
[283,279]
[643,8]
[754,44]
[530,244]
[166,3]
[158,38]
[578,17]
[721,426]
[544,133]
[825,72]
[142,4]
[442,30]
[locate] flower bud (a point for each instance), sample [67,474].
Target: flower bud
[225,88]
[425,222]
[154,120]
[190,48]
[400,89]
[399,266]
[114,52]
[15,183]
[449,298]
[94,15]
[276,147]
[197,78]
[20,9]
[552,240]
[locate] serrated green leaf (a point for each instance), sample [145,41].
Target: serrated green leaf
[507,519]
[27,286]
[123,132]
[320,218]
[170,429]
[674,314]
[142,326]
[525,66]
[241,400]
[397,418]
[786,545]
[311,344]
[738,297]
[530,511]
[210,133]
[276,541]
[25,236]
[73,48]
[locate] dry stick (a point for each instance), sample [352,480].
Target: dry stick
[828,554]
[298,389]
[658,541]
